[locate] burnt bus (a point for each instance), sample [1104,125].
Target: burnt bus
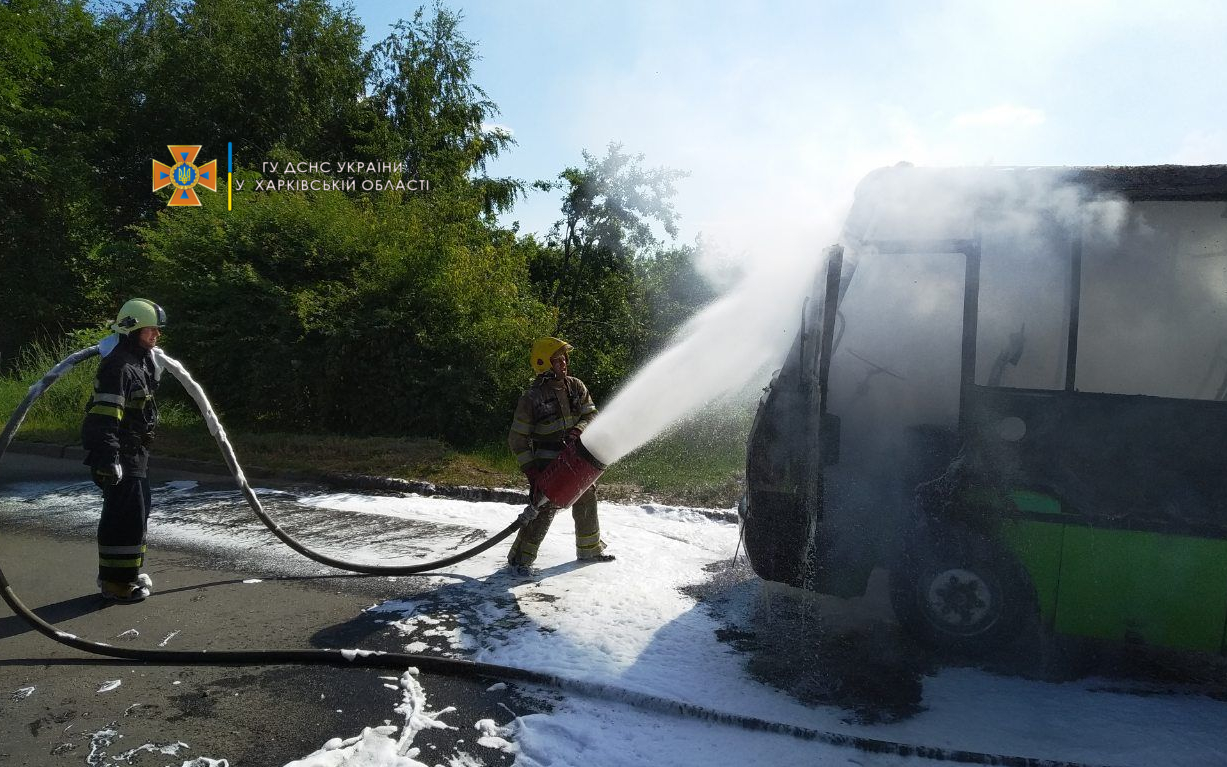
[1009,387]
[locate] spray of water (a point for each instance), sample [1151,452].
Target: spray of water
[718,351]
[751,327]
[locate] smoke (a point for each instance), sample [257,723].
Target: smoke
[719,351]
[1154,304]
[906,312]
[776,141]
[896,370]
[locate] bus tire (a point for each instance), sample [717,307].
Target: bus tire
[954,590]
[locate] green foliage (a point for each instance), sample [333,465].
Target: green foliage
[358,313]
[382,314]
[608,208]
[620,291]
[257,73]
[88,100]
[61,408]
[673,291]
[52,199]
[700,460]
[420,79]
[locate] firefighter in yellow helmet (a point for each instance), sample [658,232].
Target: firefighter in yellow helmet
[119,423]
[552,411]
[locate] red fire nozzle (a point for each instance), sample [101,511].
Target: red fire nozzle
[568,476]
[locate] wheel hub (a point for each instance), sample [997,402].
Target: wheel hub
[959,600]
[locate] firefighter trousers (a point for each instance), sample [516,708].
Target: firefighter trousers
[588,543]
[121,530]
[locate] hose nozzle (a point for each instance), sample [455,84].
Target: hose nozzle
[568,476]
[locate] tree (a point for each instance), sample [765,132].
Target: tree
[590,269]
[260,74]
[437,117]
[673,291]
[608,210]
[53,202]
[88,99]
[360,312]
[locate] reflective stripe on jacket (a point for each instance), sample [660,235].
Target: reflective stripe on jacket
[547,410]
[121,415]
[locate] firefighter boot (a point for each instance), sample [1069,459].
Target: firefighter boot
[115,591]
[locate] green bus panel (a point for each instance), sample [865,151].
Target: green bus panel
[1168,590]
[1038,547]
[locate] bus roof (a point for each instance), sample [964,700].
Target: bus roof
[1134,182]
[908,203]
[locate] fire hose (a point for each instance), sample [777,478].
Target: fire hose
[564,480]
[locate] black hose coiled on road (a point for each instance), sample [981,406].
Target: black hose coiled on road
[428,663]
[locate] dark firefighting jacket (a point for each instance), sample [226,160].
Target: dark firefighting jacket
[121,415]
[547,410]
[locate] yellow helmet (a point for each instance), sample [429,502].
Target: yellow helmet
[544,349]
[139,313]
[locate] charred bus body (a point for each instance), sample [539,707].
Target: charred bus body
[1010,388]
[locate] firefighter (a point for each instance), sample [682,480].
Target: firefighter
[119,425]
[551,413]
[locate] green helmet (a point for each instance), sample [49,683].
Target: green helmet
[139,313]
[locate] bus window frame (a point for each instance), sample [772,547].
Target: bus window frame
[970,250]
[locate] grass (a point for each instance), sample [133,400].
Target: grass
[60,405]
[699,462]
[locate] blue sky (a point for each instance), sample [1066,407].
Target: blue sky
[776,109]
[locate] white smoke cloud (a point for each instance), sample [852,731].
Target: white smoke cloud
[777,115]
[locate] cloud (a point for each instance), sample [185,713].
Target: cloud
[1000,116]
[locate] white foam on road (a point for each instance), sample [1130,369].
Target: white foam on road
[626,624]
[379,746]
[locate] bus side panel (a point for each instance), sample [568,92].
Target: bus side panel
[1168,590]
[1038,547]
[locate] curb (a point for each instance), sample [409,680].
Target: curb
[338,480]
[334,479]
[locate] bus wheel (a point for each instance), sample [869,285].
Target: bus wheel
[957,591]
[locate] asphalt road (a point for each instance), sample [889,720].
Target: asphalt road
[55,705]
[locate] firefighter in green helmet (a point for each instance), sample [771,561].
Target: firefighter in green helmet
[552,411]
[119,424]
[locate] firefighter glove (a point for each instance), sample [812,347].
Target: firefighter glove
[572,436]
[108,475]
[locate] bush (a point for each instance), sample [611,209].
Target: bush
[386,315]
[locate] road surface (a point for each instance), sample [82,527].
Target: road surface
[61,706]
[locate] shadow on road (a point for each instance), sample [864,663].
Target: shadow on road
[369,629]
[53,614]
